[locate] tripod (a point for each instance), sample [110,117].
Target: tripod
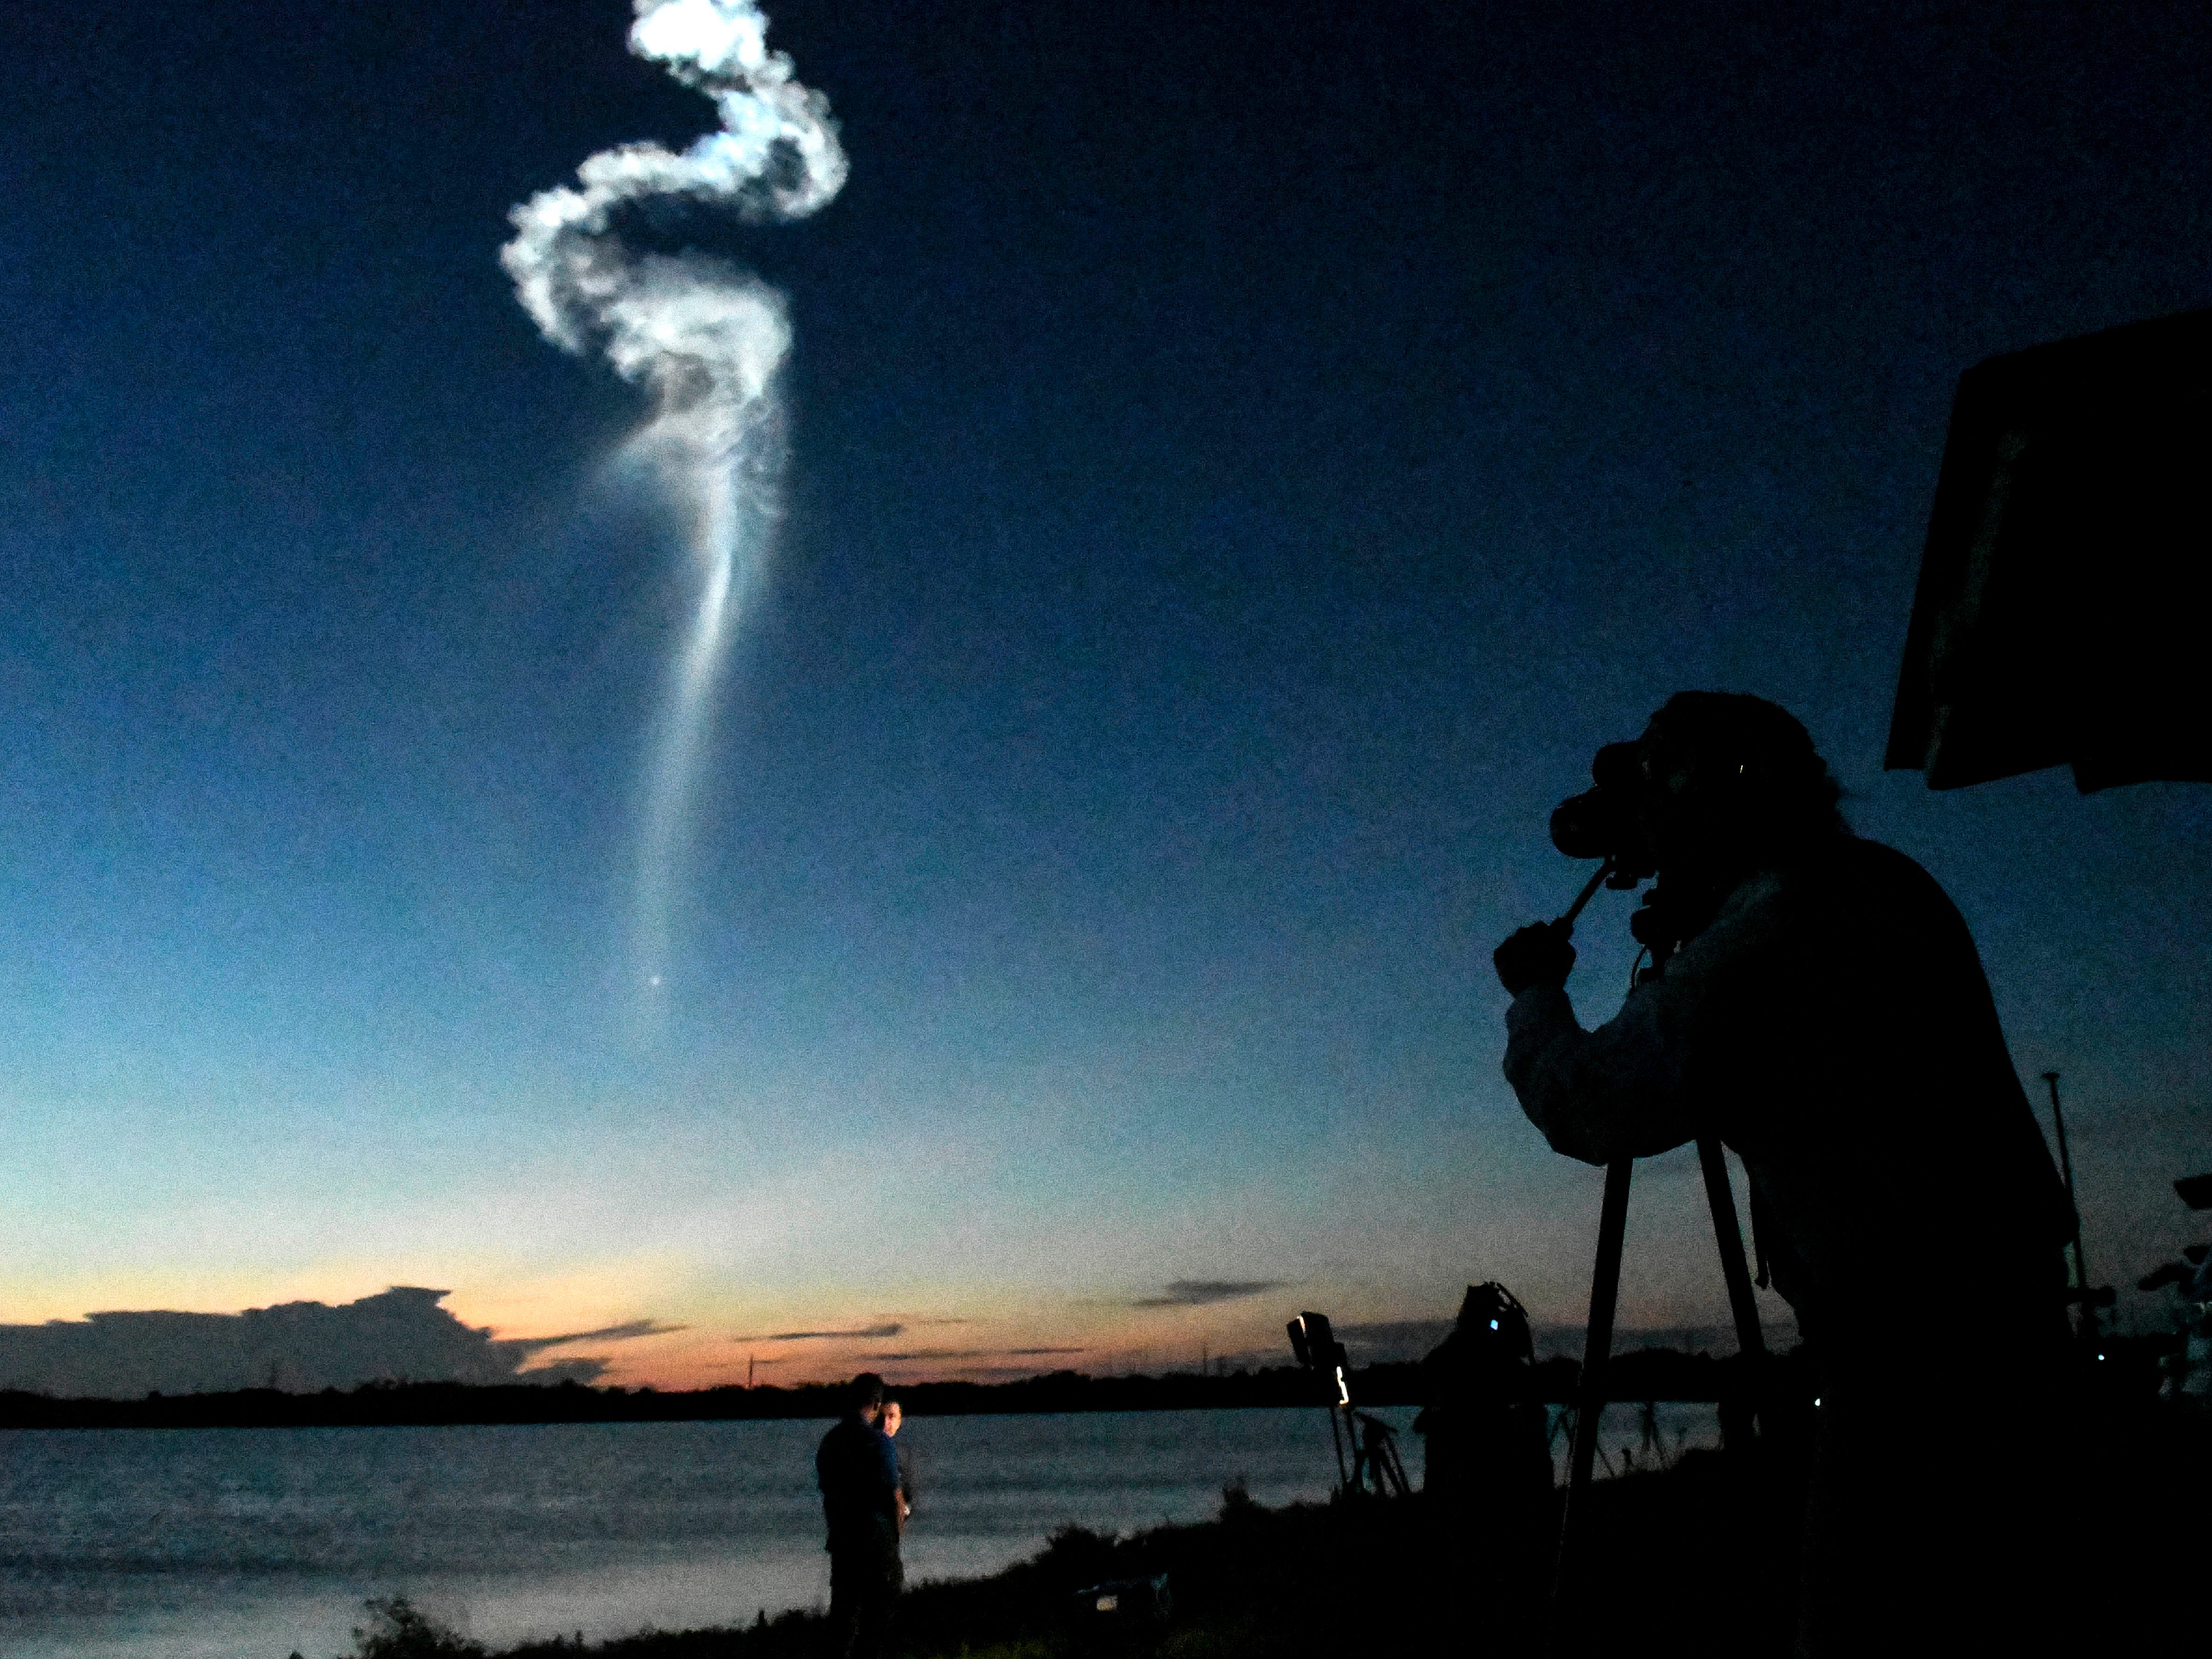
[1373,1444]
[1591,1398]
[1375,1464]
[1605,1292]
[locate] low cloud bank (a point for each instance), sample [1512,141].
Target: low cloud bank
[972,1353]
[861,1332]
[1379,1341]
[1204,1292]
[1553,1341]
[398,1334]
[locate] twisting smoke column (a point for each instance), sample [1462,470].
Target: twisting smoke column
[706,336]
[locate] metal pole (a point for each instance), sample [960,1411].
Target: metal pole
[1336,1439]
[1605,1292]
[1589,889]
[2088,1322]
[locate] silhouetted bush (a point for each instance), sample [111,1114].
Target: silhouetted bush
[398,1630]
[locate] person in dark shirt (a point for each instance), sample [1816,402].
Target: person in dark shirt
[894,1415]
[857,1469]
[1826,1016]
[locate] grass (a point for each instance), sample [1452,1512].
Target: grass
[1704,1553]
[1362,1576]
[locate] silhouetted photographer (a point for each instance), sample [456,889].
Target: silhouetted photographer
[1488,1464]
[1820,1007]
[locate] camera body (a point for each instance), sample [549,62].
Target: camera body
[1604,823]
[1313,1343]
[1611,821]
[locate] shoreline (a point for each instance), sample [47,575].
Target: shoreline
[1704,1548]
[438,1405]
[2131,1367]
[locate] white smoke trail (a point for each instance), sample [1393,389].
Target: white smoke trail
[707,338]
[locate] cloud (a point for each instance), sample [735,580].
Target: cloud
[1393,1339]
[1553,1340]
[635,1327]
[1203,1292]
[400,1333]
[861,1332]
[974,1354]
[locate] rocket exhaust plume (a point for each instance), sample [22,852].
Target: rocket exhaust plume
[706,336]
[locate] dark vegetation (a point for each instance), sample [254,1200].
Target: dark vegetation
[443,1403]
[2132,1367]
[1363,1577]
[1648,1374]
[1700,1556]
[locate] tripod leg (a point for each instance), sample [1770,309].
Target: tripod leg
[1735,1421]
[1727,1232]
[1605,1292]
[1395,1470]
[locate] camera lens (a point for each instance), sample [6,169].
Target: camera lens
[1600,823]
[1618,769]
[1583,827]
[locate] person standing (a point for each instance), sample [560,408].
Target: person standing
[858,1470]
[1488,1463]
[894,1414]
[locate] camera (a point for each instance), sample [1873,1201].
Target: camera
[1314,1344]
[1603,822]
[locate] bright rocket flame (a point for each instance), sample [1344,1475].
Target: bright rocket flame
[709,339]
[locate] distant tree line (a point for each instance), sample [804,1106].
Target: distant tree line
[1650,1374]
[570,1401]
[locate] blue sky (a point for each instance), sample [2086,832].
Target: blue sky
[1243,465]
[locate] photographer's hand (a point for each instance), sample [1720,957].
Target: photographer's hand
[1543,953]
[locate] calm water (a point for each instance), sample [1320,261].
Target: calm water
[196,1544]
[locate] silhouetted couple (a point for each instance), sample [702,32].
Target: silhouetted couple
[1823,1011]
[867,1492]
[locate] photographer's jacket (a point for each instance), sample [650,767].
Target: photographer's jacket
[1832,1024]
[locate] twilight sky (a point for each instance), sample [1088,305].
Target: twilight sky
[1245,459]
